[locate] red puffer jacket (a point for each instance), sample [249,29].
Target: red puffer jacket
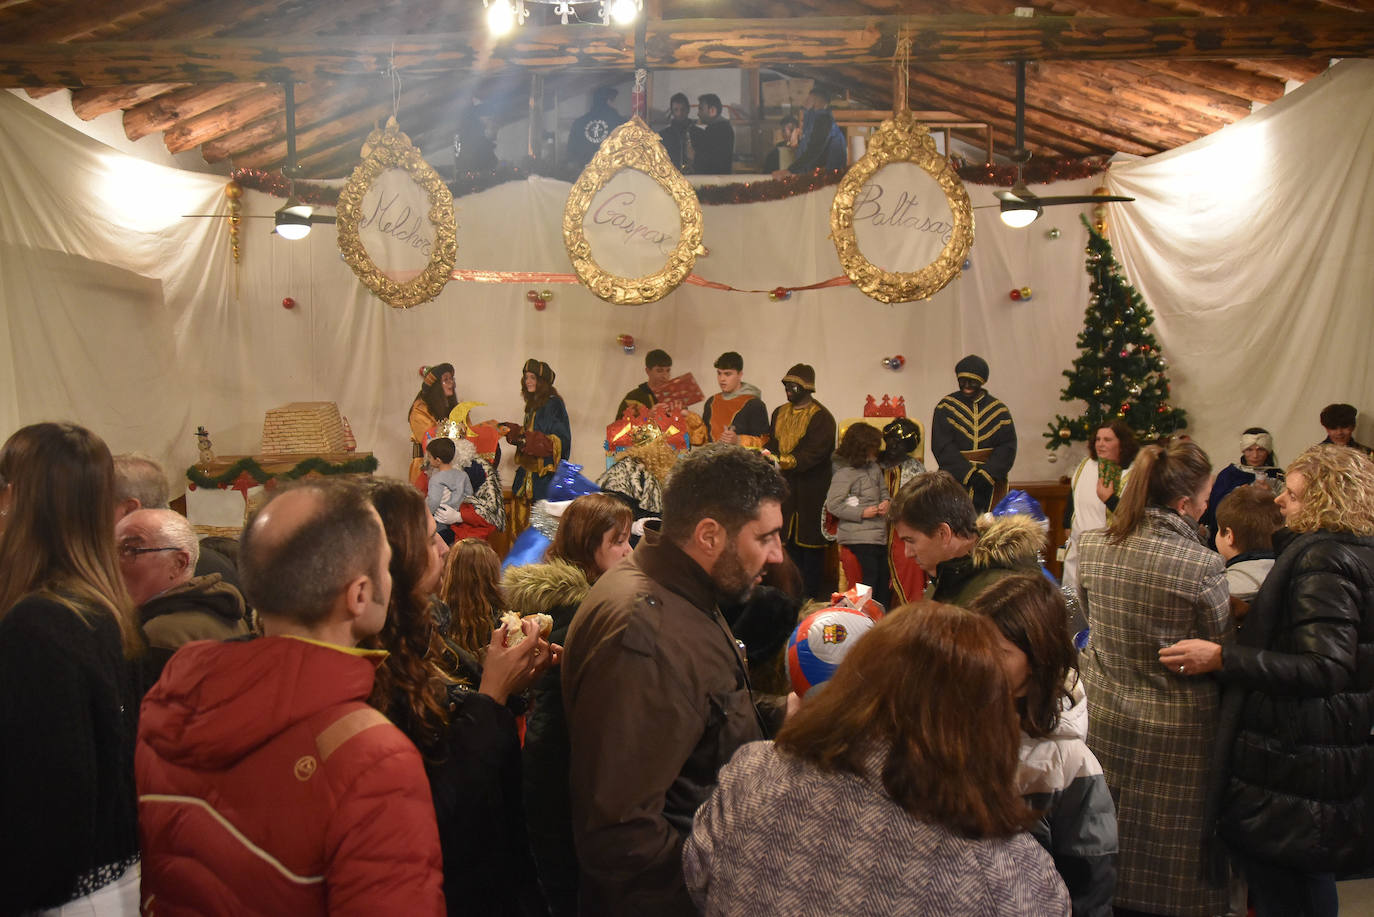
[267,786]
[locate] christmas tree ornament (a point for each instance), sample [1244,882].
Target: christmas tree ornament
[780,294]
[1136,390]
[1015,295]
[968,263]
[540,302]
[1053,233]
[1025,293]
[1065,433]
[1052,457]
[894,363]
[1125,408]
[288,303]
[626,341]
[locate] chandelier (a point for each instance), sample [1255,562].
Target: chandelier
[504,15]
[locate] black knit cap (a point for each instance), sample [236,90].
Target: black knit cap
[972,367]
[803,375]
[730,360]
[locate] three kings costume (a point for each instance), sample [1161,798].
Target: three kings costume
[973,438]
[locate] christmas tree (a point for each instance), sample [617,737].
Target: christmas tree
[1120,373]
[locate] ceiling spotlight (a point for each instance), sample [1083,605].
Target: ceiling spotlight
[500,16]
[623,12]
[1020,214]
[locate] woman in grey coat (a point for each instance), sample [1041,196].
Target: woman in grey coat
[858,498]
[1146,582]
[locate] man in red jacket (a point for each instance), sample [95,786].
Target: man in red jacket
[266,783]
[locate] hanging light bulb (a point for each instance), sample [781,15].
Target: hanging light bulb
[1019,214]
[500,16]
[293,220]
[623,12]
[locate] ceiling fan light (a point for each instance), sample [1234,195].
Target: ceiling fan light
[292,225]
[294,206]
[1019,215]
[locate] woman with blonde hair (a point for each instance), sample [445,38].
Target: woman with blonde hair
[1145,582]
[68,702]
[1293,788]
[892,791]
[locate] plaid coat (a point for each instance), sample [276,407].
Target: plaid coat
[1153,730]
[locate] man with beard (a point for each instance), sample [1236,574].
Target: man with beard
[803,439]
[972,435]
[677,136]
[655,686]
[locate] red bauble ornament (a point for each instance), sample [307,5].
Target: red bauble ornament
[1125,409]
[540,300]
[1125,354]
[1015,295]
[288,303]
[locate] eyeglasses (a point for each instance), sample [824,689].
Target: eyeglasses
[129,550]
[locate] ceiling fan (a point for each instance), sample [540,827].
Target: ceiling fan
[293,220]
[1019,206]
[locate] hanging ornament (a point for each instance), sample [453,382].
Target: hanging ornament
[894,363]
[1015,295]
[627,341]
[1125,408]
[1117,323]
[1097,393]
[1053,233]
[1163,408]
[234,192]
[968,263]
[1064,432]
[779,294]
[288,303]
[1052,457]
[1135,391]
[1025,294]
[1124,354]
[1143,321]
[540,300]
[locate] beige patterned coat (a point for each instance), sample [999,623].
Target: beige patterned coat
[1153,729]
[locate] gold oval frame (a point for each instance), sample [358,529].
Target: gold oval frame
[384,149]
[632,145]
[901,139]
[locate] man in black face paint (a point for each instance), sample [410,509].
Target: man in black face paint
[803,439]
[972,435]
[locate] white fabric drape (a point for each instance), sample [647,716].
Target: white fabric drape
[1255,248]
[121,315]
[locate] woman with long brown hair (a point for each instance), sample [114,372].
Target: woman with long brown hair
[894,786]
[471,590]
[1059,776]
[467,735]
[1146,582]
[1293,784]
[593,535]
[68,702]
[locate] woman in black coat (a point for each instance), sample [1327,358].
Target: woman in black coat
[1292,791]
[68,700]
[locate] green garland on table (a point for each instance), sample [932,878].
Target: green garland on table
[246,465]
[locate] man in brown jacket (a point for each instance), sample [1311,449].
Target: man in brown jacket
[655,686]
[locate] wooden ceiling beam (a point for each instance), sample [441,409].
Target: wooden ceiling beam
[687,43]
[1000,111]
[233,115]
[60,23]
[1086,123]
[163,112]
[92,103]
[314,107]
[423,108]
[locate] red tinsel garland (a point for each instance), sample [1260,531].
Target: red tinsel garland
[1037,171]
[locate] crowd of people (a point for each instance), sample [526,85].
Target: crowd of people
[345,712]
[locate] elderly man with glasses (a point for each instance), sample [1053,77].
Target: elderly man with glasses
[157,555]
